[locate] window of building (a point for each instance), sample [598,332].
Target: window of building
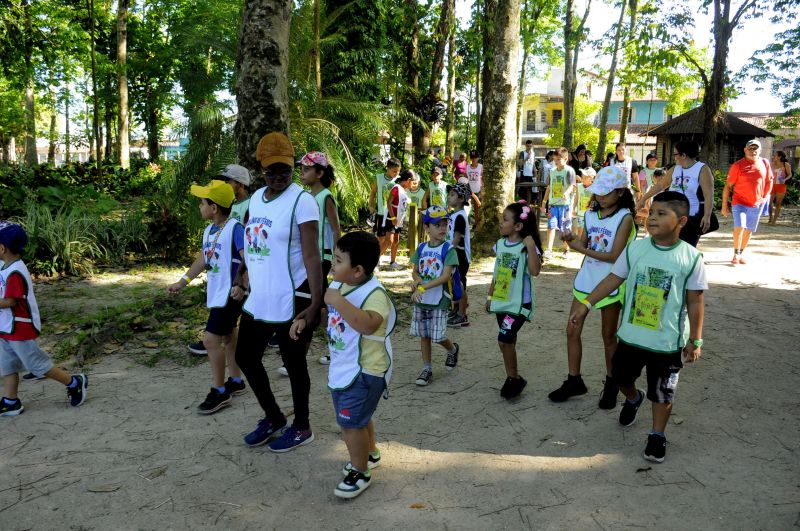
[543,118]
[556,116]
[530,121]
[630,115]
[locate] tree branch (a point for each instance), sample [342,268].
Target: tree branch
[740,12]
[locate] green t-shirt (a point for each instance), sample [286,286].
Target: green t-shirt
[416,197]
[450,260]
[239,210]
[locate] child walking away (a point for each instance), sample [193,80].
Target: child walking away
[436,195]
[396,208]
[20,325]
[223,252]
[417,196]
[559,195]
[583,200]
[318,175]
[459,235]
[511,294]
[662,316]
[361,317]
[609,228]
[378,198]
[239,179]
[433,265]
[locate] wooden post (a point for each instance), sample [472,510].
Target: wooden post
[413,219]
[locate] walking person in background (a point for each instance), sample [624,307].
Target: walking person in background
[783,173]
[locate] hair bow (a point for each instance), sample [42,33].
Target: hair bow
[525,211]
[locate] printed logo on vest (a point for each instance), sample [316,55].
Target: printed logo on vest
[336,328]
[256,235]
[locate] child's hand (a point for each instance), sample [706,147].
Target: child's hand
[172,289]
[298,325]
[575,245]
[237,293]
[543,209]
[567,236]
[416,296]
[691,353]
[332,296]
[529,244]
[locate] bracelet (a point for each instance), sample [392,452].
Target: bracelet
[187,279]
[420,289]
[586,303]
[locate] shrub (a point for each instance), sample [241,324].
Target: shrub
[127,234]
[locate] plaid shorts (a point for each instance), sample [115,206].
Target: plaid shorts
[429,323]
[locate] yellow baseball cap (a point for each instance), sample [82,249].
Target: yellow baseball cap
[275,148]
[219,192]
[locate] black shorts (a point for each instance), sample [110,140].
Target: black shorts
[381,230]
[510,325]
[222,321]
[662,371]
[463,266]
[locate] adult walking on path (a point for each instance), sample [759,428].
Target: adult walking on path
[751,178]
[284,268]
[783,173]
[581,160]
[693,179]
[627,164]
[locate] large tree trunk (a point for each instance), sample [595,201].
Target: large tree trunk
[521,94]
[52,138]
[108,145]
[449,142]
[501,136]
[122,84]
[489,10]
[623,123]
[31,157]
[315,51]
[151,125]
[572,40]
[67,138]
[612,72]
[11,155]
[261,75]
[714,96]
[95,98]
[412,95]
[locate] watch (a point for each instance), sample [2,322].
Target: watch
[697,342]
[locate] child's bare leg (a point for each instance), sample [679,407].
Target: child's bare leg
[11,385]
[661,413]
[358,446]
[447,344]
[630,393]
[384,243]
[216,358]
[610,320]
[395,244]
[509,351]
[463,303]
[574,343]
[373,445]
[551,237]
[230,354]
[59,375]
[425,343]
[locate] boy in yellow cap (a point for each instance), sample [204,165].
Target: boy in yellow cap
[223,251]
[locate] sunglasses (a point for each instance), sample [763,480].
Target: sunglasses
[272,174]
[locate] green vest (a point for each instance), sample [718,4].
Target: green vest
[324,226]
[653,316]
[559,182]
[511,280]
[438,194]
[239,210]
[416,197]
[384,186]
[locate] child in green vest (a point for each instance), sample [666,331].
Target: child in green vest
[662,315]
[458,196]
[559,198]
[436,194]
[417,196]
[378,197]
[511,294]
[361,317]
[583,200]
[433,264]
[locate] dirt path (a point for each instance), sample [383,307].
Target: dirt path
[456,455]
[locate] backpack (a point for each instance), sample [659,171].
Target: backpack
[454,286]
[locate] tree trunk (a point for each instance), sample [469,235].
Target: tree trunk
[521,93]
[714,97]
[623,123]
[151,125]
[108,146]
[52,138]
[499,155]
[572,41]
[67,138]
[123,139]
[449,142]
[261,75]
[412,95]
[31,157]
[478,107]
[3,148]
[315,51]
[12,150]
[95,101]
[612,71]
[489,10]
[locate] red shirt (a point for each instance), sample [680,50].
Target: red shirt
[17,290]
[751,180]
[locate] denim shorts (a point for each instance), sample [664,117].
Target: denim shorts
[355,405]
[746,217]
[16,356]
[560,217]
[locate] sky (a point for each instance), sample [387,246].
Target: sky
[754,98]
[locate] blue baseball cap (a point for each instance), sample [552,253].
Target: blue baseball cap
[13,236]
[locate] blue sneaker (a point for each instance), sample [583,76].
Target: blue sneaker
[264,432]
[77,394]
[291,439]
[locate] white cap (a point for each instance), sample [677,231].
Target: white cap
[237,173]
[753,142]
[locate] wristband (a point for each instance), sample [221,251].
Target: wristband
[588,304]
[696,342]
[187,279]
[420,289]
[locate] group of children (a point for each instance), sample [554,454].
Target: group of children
[655,321]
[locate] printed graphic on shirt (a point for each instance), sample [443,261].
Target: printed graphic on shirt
[680,182]
[649,297]
[430,264]
[585,200]
[506,273]
[256,235]
[336,328]
[600,239]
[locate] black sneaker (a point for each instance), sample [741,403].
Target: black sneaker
[608,398]
[10,410]
[570,387]
[77,394]
[197,348]
[235,388]
[30,376]
[656,448]
[273,342]
[452,358]
[214,402]
[424,377]
[628,414]
[513,387]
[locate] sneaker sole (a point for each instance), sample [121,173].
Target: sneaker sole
[34,379]
[422,383]
[652,458]
[221,405]
[84,387]
[561,401]
[284,450]
[326,362]
[274,435]
[197,352]
[240,392]
[13,413]
[348,495]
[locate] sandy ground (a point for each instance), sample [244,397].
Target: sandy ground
[455,454]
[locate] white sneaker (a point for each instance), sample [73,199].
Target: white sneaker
[547,255]
[282,371]
[325,360]
[354,484]
[395,266]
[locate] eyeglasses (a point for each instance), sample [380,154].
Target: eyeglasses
[272,174]
[752,148]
